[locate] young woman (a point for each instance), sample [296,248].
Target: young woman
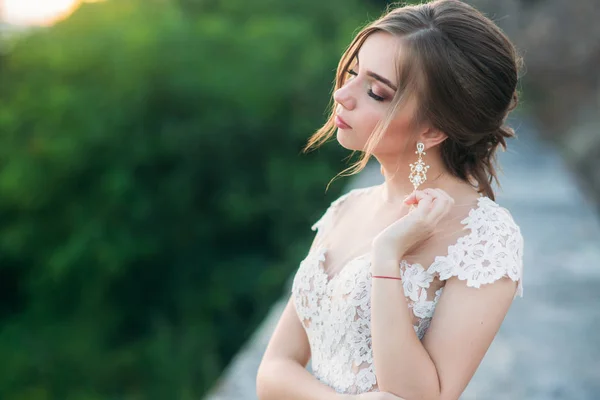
[407,283]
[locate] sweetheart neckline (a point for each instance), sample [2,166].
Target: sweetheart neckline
[322,250]
[329,278]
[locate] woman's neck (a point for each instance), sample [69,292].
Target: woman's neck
[396,187]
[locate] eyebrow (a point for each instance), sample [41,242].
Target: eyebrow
[379,77]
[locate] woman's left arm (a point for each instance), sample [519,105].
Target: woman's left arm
[465,322]
[439,368]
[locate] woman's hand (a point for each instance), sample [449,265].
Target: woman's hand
[414,228]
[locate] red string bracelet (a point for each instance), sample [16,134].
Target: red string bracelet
[386,277]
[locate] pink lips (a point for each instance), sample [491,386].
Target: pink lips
[340,123]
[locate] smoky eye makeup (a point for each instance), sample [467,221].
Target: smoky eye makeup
[375,95]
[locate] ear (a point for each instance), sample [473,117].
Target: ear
[432,137]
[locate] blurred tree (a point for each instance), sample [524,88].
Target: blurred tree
[154,200]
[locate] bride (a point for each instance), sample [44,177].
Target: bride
[407,283]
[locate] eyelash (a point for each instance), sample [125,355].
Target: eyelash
[370,92]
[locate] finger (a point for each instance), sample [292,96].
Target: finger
[439,194]
[411,198]
[435,193]
[438,205]
[446,196]
[414,197]
[441,206]
[424,205]
[439,209]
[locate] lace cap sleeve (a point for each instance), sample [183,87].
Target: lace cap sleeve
[492,250]
[321,221]
[327,217]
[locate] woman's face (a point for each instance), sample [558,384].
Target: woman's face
[366,95]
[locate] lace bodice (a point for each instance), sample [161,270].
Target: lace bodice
[335,311]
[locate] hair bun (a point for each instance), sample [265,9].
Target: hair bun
[514,101]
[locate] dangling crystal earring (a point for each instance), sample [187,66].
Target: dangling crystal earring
[418,170]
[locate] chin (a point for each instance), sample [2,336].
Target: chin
[346,141]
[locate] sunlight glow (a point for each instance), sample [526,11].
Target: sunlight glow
[36,12]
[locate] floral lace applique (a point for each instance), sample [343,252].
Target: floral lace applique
[335,311]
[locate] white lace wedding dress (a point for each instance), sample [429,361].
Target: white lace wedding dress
[335,311]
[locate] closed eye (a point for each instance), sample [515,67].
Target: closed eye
[370,92]
[374,96]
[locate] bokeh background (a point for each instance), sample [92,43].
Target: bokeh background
[154,201]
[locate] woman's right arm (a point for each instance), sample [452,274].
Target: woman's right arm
[282,374]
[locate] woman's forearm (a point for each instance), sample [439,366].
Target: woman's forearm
[402,364]
[288,380]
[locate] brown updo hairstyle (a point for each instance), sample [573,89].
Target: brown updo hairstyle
[463,71]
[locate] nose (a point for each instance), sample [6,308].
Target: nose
[344,97]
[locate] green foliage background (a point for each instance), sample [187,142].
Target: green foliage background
[154,198]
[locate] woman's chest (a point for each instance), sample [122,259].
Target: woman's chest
[351,239]
[345,297]
[319,297]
